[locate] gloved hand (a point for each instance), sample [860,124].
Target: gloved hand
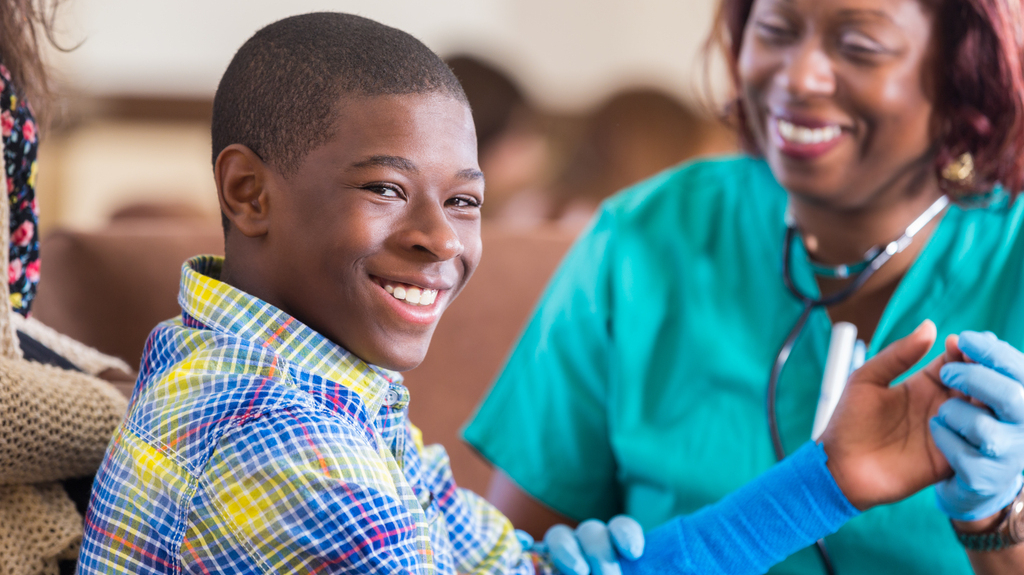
[589,548]
[985,449]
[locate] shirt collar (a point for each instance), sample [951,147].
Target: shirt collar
[222,307]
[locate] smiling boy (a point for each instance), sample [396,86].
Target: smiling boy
[268,429]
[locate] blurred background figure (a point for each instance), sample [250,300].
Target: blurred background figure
[635,134]
[545,168]
[514,141]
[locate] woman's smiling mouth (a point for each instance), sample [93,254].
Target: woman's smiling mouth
[802,140]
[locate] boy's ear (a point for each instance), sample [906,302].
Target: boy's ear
[242,179]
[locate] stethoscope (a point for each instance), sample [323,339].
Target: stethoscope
[861,272]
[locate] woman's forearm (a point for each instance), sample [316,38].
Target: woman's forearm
[1008,561]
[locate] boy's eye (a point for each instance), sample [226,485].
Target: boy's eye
[464,202]
[385,190]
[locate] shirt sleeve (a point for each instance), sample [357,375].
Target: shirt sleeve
[295,493]
[789,507]
[544,423]
[482,540]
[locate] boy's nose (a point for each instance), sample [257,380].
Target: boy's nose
[431,232]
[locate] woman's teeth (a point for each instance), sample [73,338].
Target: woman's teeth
[803,135]
[413,295]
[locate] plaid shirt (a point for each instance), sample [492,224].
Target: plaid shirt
[253,444]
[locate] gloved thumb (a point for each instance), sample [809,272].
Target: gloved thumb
[896,358]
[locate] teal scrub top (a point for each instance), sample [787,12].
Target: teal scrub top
[639,384]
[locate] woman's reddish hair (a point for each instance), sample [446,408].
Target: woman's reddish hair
[980,84]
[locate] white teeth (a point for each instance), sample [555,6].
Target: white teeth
[805,135]
[412,295]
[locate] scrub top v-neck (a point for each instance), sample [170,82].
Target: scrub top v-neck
[639,384]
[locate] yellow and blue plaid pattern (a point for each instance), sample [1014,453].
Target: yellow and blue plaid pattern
[255,445]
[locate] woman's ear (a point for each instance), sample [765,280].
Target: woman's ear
[242,179]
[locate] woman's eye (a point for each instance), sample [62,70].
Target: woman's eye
[774,30]
[860,45]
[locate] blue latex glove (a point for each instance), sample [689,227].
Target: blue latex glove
[985,448]
[593,547]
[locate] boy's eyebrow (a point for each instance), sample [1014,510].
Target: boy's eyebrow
[470,174]
[406,165]
[396,162]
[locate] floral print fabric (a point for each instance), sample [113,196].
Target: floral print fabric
[20,144]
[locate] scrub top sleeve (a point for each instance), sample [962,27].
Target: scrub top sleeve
[544,422]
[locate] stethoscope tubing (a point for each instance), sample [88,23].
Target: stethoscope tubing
[876,258]
[809,303]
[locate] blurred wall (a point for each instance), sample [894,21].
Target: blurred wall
[139,84]
[567,53]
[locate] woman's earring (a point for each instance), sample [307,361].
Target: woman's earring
[960,172]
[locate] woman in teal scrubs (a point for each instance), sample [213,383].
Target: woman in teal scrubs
[640,384]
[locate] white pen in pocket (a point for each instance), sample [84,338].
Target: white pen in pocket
[845,354]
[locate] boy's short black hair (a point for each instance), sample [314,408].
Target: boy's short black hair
[279,94]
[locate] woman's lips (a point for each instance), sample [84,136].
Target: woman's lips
[803,141]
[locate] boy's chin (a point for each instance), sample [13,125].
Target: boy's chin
[397,359]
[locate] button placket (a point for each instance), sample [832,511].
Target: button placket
[396,397]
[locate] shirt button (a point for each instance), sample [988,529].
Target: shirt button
[391,398]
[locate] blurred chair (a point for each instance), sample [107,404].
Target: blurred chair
[110,287]
[159,211]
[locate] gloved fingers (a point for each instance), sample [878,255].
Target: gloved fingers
[982,485]
[977,475]
[564,551]
[962,456]
[628,536]
[988,435]
[1004,395]
[596,542]
[988,350]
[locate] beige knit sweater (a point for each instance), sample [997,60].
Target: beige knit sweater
[54,424]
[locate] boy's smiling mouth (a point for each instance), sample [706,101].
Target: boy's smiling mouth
[411,294]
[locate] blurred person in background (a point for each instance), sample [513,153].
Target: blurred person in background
[679,350]
[513,142]
[633,135]
[545,168]
[56,416]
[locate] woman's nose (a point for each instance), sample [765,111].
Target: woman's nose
[807,72]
